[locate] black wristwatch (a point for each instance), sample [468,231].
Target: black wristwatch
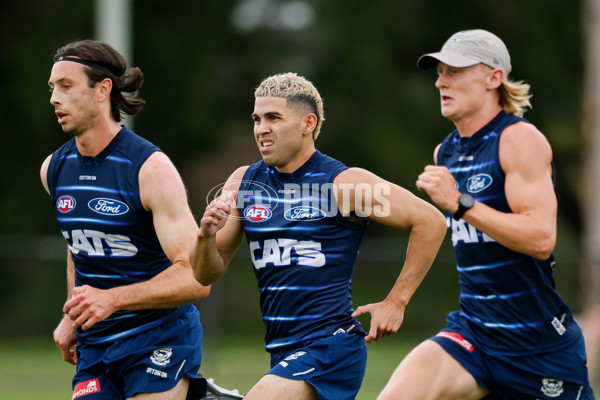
[465,203]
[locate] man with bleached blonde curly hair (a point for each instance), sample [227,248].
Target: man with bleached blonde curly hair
[304,215]
[298,91]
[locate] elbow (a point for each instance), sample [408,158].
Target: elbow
[199,273]
[202,279]
[441,223]
[205,279]
[543,253]
[544,247]
[199,289]
[203,291]
[437,224]
[430,227]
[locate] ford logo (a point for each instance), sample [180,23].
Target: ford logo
[106,206]
[479,182]
[303,213]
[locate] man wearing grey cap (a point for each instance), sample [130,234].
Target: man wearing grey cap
[514,337]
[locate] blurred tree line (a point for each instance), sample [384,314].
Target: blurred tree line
[202,61]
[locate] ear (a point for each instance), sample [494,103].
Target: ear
[104,89]
[309,124]
[495,78]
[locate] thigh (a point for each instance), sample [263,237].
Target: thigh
[429,372]
[273,387]
[179,392]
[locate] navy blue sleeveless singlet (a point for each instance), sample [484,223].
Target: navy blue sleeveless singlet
[303,251]
[110,234]
[507,299]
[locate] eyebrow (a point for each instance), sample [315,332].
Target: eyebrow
[266,114]
[59,81]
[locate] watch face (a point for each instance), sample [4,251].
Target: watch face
[466,200]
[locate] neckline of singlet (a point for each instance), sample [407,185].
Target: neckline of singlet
[300,172]
[468,142]
[95,160]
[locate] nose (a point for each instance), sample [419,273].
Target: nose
[442,78]
[54,100]
[440,81]
[261,127]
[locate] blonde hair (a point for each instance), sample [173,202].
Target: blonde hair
[299,92]
[514,97]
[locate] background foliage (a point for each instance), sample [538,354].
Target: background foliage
[201,61]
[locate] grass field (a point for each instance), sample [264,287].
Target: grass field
[34,370]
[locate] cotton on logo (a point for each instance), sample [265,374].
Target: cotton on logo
[86,387]
[257,213]
[64,204]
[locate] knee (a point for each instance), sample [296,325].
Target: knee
[397,391]
[384,395]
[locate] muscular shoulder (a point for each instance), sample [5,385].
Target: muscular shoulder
[235,179]
[158,169]
[239,173]
[522,144]
[355,175]
[158,179]
[523,136]
[44,172]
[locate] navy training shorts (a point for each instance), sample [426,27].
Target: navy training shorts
[334,365]
[150,362]
[557,375]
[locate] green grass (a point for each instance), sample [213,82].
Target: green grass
[34,370]
[31,370]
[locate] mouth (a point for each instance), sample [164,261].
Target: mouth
[445,99]
[265,144]
[61,116]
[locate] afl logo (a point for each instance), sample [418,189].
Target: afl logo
[477,183]
[108,206]
[257,213]
[65,204]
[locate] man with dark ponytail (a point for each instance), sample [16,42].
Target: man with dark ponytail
[128,322]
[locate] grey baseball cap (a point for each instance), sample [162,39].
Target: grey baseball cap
[470,47]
